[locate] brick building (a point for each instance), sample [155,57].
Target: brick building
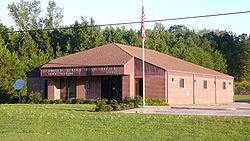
[114,71]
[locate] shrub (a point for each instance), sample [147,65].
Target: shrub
[24,99]
[5,98]
[80,101]
[107,108]
[14,99]
[155,102]
[101,105]
[58,101]
[113,101]
[242,87]
[46,101]
[116,106]
[90,101]
[123,105]
[128,99]
[138,101]
[130,105]
[35,97]
[70,101]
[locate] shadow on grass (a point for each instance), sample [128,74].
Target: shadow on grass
[245,101]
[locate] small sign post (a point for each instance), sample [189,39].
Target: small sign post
[18,85]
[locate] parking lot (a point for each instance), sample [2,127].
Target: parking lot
[234,109]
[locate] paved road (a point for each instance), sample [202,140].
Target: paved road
[235,109]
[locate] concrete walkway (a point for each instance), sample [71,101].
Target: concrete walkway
[234,109]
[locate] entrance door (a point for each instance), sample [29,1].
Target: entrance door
[138,87]
[68,88]
[112,87]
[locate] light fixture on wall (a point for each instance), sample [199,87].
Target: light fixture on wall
[173,79]
[229,83]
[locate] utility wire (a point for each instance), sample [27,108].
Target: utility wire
[137,22]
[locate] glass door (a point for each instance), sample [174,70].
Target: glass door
[68,88]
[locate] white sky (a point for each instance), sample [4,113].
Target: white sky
[116,11]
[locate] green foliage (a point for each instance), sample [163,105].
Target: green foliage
[11,69]
[80,101]
[90,101]
[101,105]
[22,52]
[71,101]
[155,102]
[128,99]
[116,106]
[58,101]
[242,87]
[59,122]
[36,98]
[138,101]
[4,98]
[46,101]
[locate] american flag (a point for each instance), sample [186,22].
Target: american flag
[143,34]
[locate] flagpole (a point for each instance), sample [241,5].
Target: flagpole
[143,74]
[143,35]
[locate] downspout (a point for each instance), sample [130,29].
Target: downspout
[167,87]
[215,83]
[193,90]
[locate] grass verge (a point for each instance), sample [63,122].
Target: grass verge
[242,98]
[79,122]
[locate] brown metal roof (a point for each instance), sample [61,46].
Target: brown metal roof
[106,55]
[167,62]
[117,54]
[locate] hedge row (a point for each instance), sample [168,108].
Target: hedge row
[127,103]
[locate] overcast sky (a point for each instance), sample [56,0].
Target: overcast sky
[116,11]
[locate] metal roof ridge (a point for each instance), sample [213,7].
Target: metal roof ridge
[118,45]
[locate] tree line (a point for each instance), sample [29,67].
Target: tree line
[21,52]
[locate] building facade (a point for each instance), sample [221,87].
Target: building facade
[114,71]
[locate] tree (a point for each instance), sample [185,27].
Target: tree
[244,73]
[159,26]
[26,14]
[54,16]
[11,69]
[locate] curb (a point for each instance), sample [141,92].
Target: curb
[204,108]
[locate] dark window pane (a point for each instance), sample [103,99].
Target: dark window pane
[224,85]
[205,84]
[181,83]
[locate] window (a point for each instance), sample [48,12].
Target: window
[181,83]
[87,86]
[224,85]
[205,84]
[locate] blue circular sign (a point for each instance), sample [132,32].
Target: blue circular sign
[19,84]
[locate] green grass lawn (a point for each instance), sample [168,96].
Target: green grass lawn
[79,122]
[242,98]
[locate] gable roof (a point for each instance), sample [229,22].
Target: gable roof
[168,62]
[117,54]
[106,55]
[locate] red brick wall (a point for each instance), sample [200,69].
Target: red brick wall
[54,88]
[125,86]
[154,81]
[150,69]
[202,95]
[194,93]
[36,85]
[155,86]
[80,88]
[94,90]
[224,95]
[179,95]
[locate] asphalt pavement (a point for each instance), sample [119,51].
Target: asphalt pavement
[233,109]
